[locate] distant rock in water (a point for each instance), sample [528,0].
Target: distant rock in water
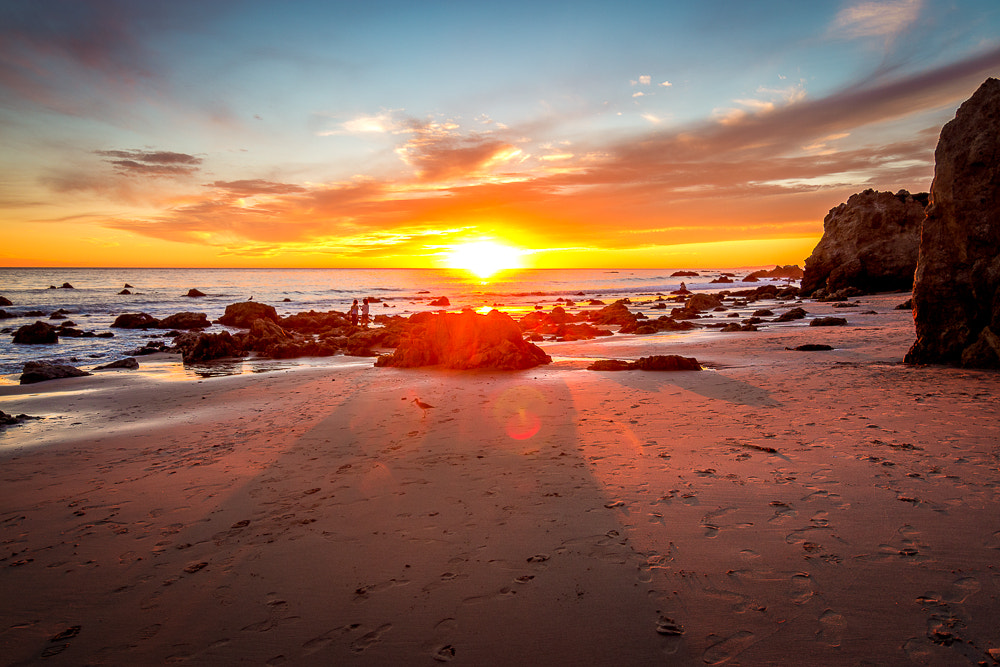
[194,293]
[185,321]
[242,315]
[869,244]
[956,291]
[41,371]
[464,340]
[39,333]
[135,321]
[790,271]
[4,301]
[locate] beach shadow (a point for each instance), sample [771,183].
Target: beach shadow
[710,384]
[471,527]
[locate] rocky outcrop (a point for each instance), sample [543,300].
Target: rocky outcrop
[663,362]
[869,244]
[135,321]
[185,321]
[956,291]
[199,347]
[617,313]
[789,271]
[464,340]
[128,363]
[242,315]
[41,371]
[39,333]
[4,301]
[194,293]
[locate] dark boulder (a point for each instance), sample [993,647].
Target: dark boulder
[195,293]
[65,286]
[811,347]
[242,315]
[39,333]
[125,292]
[129,363]
[828,322]
[185,321]
[41,371]
[464,340]
[791,314]
[663,362]
[206,347]
[616,313]
[956,291]
[441,301]
[4,301]
[869,243]
[135,321]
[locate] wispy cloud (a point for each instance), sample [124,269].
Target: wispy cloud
[876,19]
[151,163]
[792,154]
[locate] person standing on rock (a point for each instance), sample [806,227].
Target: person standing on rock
[364,312]
[354,313]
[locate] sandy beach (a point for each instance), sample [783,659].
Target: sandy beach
[779,508]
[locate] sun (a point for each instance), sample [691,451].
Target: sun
[483,258]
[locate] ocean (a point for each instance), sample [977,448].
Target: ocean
[94,301]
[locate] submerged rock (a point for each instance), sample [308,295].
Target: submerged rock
[135,321]
[185,321]
[41,371]
[464,340]
[956,291]
[39,333]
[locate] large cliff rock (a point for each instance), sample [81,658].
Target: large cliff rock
[956,291]
[869,244]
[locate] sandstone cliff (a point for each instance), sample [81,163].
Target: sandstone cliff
[869,244]
[956,292]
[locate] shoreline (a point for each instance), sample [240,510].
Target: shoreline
[836,505]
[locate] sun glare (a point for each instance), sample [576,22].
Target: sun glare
[483,258]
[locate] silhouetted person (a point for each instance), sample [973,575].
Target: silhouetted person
[354,313]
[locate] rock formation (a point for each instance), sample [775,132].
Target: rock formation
[199,347]
[464,341]
[135,321]
[185,321]
[662,362]
[956,291]
[243,314]
[40,371]
[869,244]
[39,333]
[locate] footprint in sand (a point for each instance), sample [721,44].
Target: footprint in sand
[832,627]
[369,639]
[802,588]
[727,648]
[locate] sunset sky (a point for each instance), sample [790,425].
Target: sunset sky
[381,134]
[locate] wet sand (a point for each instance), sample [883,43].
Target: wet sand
[783,507]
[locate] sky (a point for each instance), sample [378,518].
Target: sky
[384,134]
